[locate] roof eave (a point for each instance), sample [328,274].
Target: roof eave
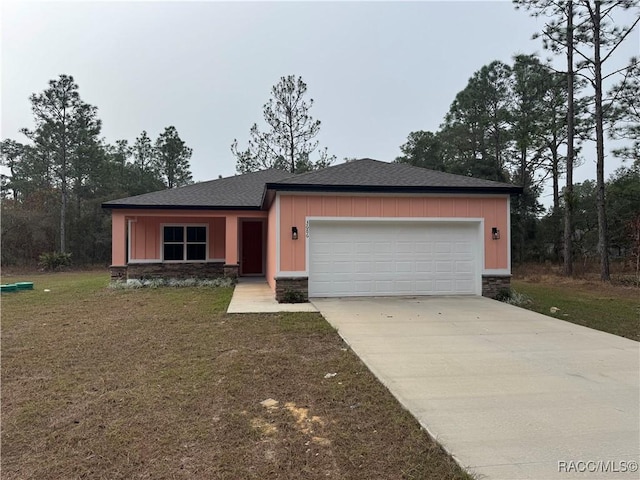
[290,187]
[119,206]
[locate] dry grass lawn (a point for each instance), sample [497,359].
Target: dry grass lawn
[113,384]
[609,307]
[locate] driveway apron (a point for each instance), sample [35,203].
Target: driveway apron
[510,393]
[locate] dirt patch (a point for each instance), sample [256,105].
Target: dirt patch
[263,426]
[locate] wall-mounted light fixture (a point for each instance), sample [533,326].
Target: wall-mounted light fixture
[495,233]
[294,233]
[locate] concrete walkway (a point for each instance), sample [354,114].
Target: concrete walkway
[512,394]
[253,295]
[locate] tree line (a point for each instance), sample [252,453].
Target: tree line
[58,179]
[529,123]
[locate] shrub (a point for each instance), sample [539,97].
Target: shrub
[52,261]
[504,294]
[293,296]
[512,297]
[134,283]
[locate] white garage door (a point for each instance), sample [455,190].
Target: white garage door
[368,258]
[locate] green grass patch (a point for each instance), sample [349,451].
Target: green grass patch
[603,307]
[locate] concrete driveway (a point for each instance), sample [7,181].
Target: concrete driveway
[510,393]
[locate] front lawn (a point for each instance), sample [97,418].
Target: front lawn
[610,308]
[161,383]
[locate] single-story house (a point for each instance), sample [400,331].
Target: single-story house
[361,228]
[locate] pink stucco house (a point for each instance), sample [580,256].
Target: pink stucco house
[361,228]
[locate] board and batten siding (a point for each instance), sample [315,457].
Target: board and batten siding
[271,249]
[294,209]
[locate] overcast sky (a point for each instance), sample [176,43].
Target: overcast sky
[376,71]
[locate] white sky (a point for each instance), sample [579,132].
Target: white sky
[376,71]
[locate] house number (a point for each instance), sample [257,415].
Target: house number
[306,229]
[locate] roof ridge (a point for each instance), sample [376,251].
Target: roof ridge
[314,175]
[311,172]
[440,172]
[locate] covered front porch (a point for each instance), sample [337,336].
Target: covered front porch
[188,244]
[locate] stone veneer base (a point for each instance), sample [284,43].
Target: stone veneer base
[143,271]
[288,286]
[492,284]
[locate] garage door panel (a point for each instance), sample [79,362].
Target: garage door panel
[407,248]
[393,258]
[343,267]
[323,267]
[424,267]
[404,267]
[403,286]
[383,286]
[342,248]
[363,247]
[464,285]
[382,248]
[462,248]
[364,287]
[383,267]
[444,267]
[442,247]
[444,287]
[323,248]
[424,285]
[464,267]
[363,267]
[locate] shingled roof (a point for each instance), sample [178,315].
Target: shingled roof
[249,191]
[376,176]
[240,192]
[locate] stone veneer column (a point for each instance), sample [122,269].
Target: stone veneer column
[288,285]
[492,284]
[118,273]
[231,271]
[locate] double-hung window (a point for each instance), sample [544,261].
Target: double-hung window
[184,243]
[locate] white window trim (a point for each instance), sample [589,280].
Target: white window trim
[499,272]
[184,243]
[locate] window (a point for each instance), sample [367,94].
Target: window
[184,243]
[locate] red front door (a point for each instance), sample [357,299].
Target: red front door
[251,248]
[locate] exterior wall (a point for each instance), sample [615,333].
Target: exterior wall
[118,239]
[217,237]
[145,238]
[271,269]
[295,208]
